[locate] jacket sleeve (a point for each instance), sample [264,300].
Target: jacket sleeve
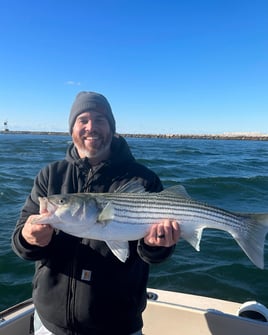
[154,255]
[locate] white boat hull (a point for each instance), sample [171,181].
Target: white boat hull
[171,313]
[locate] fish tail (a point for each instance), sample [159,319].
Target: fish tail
[252,242]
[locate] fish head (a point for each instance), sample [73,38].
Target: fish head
[69,209]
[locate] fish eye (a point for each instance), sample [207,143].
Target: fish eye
[62,201]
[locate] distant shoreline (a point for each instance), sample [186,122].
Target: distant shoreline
[248,137]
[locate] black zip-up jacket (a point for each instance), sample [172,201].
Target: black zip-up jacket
[79,286]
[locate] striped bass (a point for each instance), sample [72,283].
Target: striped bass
[127,215]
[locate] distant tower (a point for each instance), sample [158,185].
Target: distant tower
[6,126]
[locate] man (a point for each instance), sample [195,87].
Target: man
[79,286]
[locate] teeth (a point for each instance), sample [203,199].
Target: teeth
[92,138]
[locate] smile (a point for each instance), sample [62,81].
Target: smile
[92,138]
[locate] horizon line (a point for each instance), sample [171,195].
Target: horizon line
[231,135]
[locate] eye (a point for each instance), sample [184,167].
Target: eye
[62,201]
[83,120]
[100,119]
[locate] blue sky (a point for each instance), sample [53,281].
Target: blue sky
[166,66]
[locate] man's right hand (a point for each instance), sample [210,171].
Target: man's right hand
[37,234]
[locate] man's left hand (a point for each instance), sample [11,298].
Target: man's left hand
[163,234]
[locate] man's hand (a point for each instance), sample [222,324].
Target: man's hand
[164,234]
[37,234]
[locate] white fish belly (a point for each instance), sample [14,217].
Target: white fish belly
[118,231]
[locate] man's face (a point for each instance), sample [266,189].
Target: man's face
[92,136]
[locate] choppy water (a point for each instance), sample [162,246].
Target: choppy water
[226,173]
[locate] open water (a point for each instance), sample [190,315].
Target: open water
[226,173]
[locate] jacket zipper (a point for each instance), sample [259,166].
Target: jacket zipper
[71,292]
[90,176]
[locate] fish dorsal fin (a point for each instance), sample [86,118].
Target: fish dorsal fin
[177,190]
[131,187]
[107,214]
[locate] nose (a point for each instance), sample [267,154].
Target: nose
[90,125]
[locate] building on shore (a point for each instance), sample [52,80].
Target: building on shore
[6,126]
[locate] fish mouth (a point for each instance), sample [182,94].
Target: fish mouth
[46,206]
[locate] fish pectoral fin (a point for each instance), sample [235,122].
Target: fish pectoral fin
[107,214]
[120,249]
[193,237]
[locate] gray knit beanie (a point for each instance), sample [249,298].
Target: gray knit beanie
[86,101]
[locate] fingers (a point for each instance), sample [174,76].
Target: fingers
[165,233]
[176,232]
[168,233]
[37,234]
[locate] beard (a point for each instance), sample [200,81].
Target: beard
[94,146]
